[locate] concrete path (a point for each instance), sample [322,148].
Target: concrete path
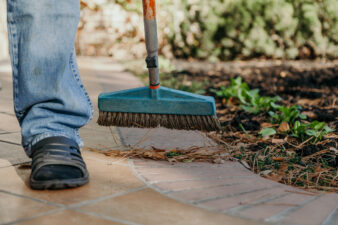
[123,191]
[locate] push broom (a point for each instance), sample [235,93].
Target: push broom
[155,106]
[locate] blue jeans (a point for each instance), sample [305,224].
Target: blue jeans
[49,97]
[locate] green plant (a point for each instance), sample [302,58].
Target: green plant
[236,89]
[315,130]
[172,154]
[257,104]
[287,114]
[250,100]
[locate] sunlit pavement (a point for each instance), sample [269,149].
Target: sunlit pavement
[139,191]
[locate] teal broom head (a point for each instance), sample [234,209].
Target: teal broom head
[146,107]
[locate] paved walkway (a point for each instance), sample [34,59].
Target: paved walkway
[123,191]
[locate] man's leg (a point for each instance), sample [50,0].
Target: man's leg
[49,98]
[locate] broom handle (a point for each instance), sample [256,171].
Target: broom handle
[150,30]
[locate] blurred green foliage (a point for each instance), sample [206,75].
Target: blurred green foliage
[241,29]
[229,29]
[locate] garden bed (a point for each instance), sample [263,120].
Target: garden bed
[310,87]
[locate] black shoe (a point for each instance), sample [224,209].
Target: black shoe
[57,164]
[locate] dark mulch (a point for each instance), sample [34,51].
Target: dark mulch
[312,85]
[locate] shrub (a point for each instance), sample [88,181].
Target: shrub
[242,29]
[227,29]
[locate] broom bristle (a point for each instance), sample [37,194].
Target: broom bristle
[180,122]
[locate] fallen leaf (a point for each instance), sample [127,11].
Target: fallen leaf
[233,101]
[278,141]
[154,155]
[204,152]
[266,125]
[309,114]
[283,127]
[306,101]
[224,101]
[277,159]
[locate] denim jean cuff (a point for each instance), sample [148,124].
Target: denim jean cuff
[74,136]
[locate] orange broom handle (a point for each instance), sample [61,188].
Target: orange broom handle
[150,28]
[149,9]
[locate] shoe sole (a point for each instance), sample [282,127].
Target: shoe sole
[58,184]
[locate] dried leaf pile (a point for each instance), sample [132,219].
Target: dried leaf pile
[193,154]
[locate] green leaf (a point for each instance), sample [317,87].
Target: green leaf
[172,154]
[296,125]
[311,133]
[319,126]
[274,105]
[302,116]
[328,129]
[267,131]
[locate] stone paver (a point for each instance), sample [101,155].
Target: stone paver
[6,107]
[271,208]
[4,163]
[155,208]
[103,139]
[179,186]
[230,189]
[11,137]
[14,208]
[139,191]
[315,212]
[246,200]
[9,123]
